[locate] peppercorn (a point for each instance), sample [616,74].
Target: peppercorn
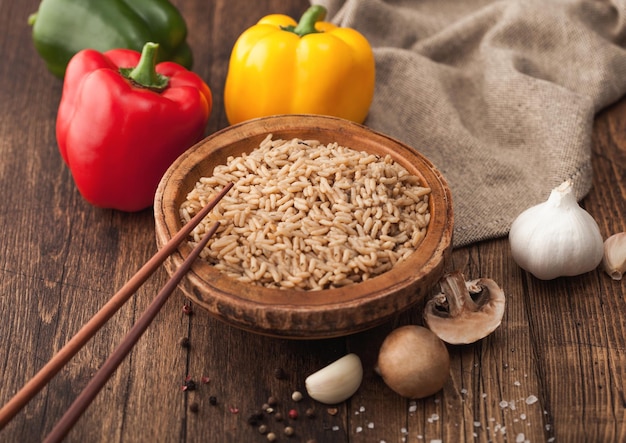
[187,309]
[194,407]
[272,401]
[288,431]
[255,417]
[189,385]
[271,436]
[296,396]
[310,412]
[280,374]
[293,414]
[278,416]
[262,429]
[213,400]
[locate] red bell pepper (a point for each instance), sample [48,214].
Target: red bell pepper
[123,120]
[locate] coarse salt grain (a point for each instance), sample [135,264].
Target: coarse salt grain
[531,399]
[370,425]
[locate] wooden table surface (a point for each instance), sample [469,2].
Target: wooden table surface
[554,371]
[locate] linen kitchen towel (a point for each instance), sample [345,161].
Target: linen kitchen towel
[499,95]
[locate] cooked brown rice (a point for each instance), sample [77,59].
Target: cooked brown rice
[309,216]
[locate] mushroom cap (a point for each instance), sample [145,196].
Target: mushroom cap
[467,320]
[413,362]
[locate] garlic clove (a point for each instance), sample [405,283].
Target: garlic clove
[557,237]
[336,382]
[614,259]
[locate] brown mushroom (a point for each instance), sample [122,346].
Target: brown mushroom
[464,312]
[413,362]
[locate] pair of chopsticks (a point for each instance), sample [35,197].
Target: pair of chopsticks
[53,366]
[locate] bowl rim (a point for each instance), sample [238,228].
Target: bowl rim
[259,309]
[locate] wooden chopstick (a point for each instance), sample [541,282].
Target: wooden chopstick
[110,365]
[50,369]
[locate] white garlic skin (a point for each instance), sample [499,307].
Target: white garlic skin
[336,382]
[556,238]
[614,260]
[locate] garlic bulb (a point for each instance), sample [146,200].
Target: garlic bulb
[614,260]
[557,237]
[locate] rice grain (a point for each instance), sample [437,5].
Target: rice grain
[309,216]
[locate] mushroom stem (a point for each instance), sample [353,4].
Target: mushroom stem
[457,296]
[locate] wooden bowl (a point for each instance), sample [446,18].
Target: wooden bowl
[304,314]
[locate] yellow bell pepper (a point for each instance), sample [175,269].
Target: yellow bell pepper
[279,66]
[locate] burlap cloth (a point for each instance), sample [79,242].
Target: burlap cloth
[499,95]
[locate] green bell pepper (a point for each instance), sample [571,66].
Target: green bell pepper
[61,28]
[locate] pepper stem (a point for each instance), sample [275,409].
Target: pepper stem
[144,74]
[306,25]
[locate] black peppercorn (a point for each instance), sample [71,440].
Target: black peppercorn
[280,374]
[189,385]
[213,400]
[254,418]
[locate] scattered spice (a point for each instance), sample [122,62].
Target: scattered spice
[205,379]
[310,412]
[194,407]
[332,411]
[288,431]
[272,401]
[233,409]
[296,396]
[278,416]
[280,374]
[187,309]
[271,436]
[188,384]
[293,414]
[212,400]
[255,417]
[263,429]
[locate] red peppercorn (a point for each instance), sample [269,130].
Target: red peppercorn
[293,414]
